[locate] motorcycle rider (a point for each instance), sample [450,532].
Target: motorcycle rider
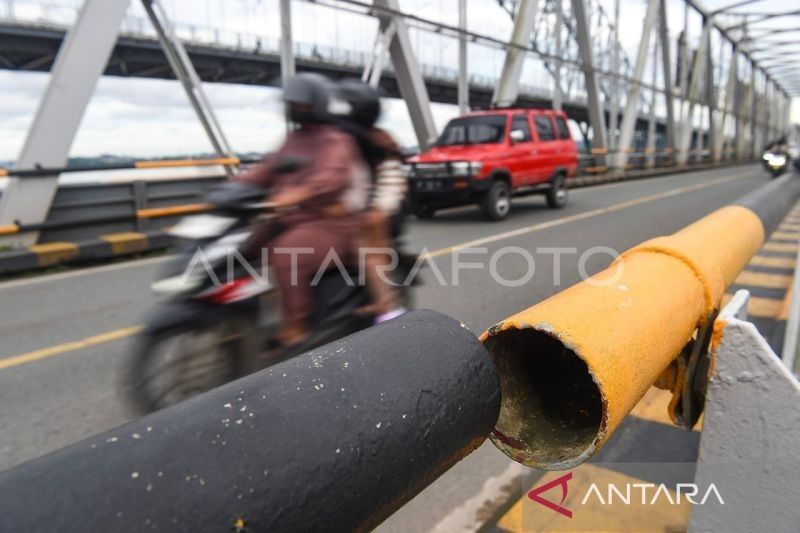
[327,191]
[383,215]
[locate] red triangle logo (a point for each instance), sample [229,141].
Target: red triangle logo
[562,482]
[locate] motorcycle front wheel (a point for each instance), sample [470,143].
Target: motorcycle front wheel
[173,365]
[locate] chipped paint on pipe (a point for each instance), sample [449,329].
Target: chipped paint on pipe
[573,366]
[339,437]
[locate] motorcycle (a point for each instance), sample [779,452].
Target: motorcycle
[219,315]
[776,163]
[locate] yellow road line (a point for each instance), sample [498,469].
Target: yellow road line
[780,247]
[774,262]
[763,279]
[759,306]
[580,216]
[792,236]
[68,347]
[126,332]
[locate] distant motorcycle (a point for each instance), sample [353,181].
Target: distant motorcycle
[776,163]
[209,332]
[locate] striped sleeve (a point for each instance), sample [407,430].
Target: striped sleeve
[390,186]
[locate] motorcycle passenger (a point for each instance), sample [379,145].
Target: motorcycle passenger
[386,198]
[326,198]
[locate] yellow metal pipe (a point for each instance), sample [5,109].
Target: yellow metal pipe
[187,163]
[158,212]
[573,366]
[9,229]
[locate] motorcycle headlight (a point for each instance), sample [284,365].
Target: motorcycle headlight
[777,161]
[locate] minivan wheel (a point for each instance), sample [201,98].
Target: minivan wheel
[496,203]
[424,212]
[557,194]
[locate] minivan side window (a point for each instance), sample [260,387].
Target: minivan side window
[520,122]
[563,130]
[544,128]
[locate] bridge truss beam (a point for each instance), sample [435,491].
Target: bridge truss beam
[77,67]
[507,88]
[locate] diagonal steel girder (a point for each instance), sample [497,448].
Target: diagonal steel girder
[408,74]
[187,75]
[596,114]
[728,108]
[631,112]
[666,65]
[507,89]
[698,72]
[73,77]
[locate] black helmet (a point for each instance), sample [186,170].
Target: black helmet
[310,90]
[364,100]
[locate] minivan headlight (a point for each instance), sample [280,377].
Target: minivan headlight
[465,168]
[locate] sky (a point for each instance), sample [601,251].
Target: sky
[146,118]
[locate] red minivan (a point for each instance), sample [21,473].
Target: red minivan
[486,157]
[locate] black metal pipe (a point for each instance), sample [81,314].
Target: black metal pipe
[335,439]
[772,201]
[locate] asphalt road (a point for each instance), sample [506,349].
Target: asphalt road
[71,328]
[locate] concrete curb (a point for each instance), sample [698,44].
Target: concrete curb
[103,248]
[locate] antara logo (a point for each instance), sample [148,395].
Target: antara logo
[649,494]
[557,507]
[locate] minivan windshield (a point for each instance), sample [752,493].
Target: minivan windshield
[482,129]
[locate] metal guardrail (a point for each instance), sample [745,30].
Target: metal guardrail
[84,211]
[573,366]
[349,432]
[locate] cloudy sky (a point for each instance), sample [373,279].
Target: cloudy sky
[138,117]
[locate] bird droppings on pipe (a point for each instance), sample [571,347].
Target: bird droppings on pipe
[134,475]
[378,425]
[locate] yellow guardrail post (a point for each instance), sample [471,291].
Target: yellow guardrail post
[573,366]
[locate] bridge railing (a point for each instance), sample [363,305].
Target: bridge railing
[149,202]
[348,433]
